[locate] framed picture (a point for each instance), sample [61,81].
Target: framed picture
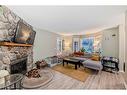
[24,34]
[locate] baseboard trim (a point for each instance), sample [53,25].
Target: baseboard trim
[121,71]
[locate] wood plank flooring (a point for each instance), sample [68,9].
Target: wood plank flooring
[104,80]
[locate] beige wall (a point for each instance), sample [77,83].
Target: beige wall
[45,44]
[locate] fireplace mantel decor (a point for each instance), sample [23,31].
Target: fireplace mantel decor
[24,33]
[14,44]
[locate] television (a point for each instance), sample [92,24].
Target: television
[24,34]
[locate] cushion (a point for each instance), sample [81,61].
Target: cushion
[95,58]
[78,53]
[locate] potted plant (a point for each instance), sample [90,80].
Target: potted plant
[82,49]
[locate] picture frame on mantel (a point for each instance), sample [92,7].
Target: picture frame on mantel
[24,34]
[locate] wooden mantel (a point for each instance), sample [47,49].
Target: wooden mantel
[14,44]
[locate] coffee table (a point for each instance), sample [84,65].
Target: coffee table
[12,81]
[76,62]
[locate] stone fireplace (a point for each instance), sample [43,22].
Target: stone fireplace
[9,55]
[14,55]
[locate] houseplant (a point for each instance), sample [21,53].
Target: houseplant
[82,49]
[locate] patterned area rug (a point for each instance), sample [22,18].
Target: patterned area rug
[80,74]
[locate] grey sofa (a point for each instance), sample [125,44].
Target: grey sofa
[96,65]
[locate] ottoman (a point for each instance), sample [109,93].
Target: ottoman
[96,65]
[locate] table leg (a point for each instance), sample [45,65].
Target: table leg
[20,85]
[116,65]
[63,62]
[14,85]
[75,66]
[6,88]
[79,65]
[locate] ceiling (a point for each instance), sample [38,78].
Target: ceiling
[68,20]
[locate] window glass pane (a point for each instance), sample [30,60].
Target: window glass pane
[75,46]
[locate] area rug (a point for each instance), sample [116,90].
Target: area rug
[32,83]
[80,74]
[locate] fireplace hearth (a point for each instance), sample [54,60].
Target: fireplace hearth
[19,66]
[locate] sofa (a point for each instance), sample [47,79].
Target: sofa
[91,61]
[96,65]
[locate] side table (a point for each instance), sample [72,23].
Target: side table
[110,64]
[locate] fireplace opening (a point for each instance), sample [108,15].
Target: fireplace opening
[19,66]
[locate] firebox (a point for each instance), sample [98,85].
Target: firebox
[19,66]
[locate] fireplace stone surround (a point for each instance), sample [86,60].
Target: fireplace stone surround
[10,55]
[8,24]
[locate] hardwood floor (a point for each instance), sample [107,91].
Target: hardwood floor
[104,80]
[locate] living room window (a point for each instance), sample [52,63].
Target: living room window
[60,45]
[75,46]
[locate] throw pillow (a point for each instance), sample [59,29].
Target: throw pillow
[95,58]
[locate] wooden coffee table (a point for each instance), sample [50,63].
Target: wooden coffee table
[76,62]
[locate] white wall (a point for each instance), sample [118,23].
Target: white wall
[125,74]
[121,46]
[126,40]
[45,44]
[110,44]
[121,23]
[122,42]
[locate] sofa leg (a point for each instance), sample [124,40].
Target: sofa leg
[99,72]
